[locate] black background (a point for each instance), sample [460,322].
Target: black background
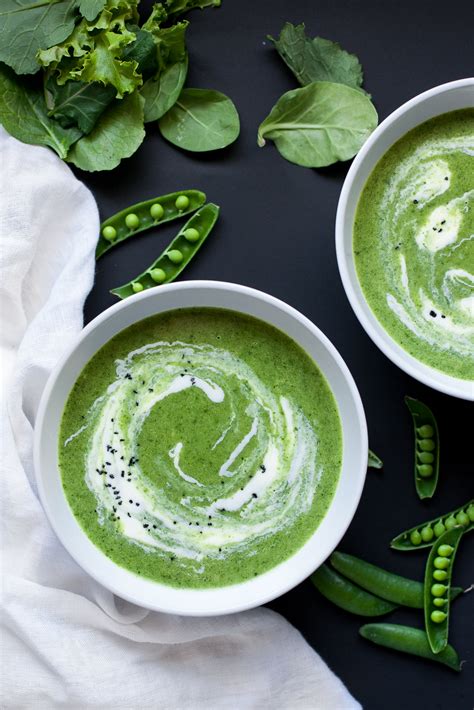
[276,233]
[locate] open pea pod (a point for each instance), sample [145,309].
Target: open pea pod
[426,447]
[177,255]
[145,215]
[427,533]
[438,574]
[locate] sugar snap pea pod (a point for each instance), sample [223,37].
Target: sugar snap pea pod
[409,640]
[426,448]
[144,215]
[374,460]
[177,255]
[378,581]
[343,593]
[439,568]
[426,534]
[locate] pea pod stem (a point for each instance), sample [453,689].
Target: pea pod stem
[437,615]
[426,464]
[348,596]
[374,461]
[144,212]
[409,640]
[403,541]
[176,256]
[389,586]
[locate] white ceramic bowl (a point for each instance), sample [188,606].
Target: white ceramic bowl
[274,582]
[441,99]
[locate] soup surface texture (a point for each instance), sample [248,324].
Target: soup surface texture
[413,242]
[200,447]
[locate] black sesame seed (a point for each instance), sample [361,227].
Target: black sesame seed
[145,525]
[254,495]
[415,202]
[433,314]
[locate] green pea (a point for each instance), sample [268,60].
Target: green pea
[415,537]
[425,457]
[137,287]
[132,221]
[426,431]
[182,202]
[438,590]
[427,533]
[426,444]
[470,512]
[425,470]
[158,275]
[441,562]
[439,529]
[450,522]
[462,518]
[175,255]
[438,616]
[109,233]
[157,211]
[445,550]
[191,234]
[438,601]
[440,575]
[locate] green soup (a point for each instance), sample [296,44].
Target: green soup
[200,447]
[413,242]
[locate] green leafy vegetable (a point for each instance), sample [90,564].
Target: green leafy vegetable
[117,135]
[143,51]
[319,124]
[104,73]
[201,120]
[23,114]
[91,8]
[93,51]
[77,103]
[29,25]
[316,59]
[178,7]
[162,93]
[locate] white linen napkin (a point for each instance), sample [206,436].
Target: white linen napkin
[67,641]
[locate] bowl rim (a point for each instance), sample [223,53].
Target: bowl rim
[436,379]
[307,566]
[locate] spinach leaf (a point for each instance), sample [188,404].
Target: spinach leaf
[316,59]
[93,51]
[162,93]
[178,7]
[143,51]
[91,8]
[319,124]
[77,103]
[30,25]
[201,120]
[117,135]
[23,114]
